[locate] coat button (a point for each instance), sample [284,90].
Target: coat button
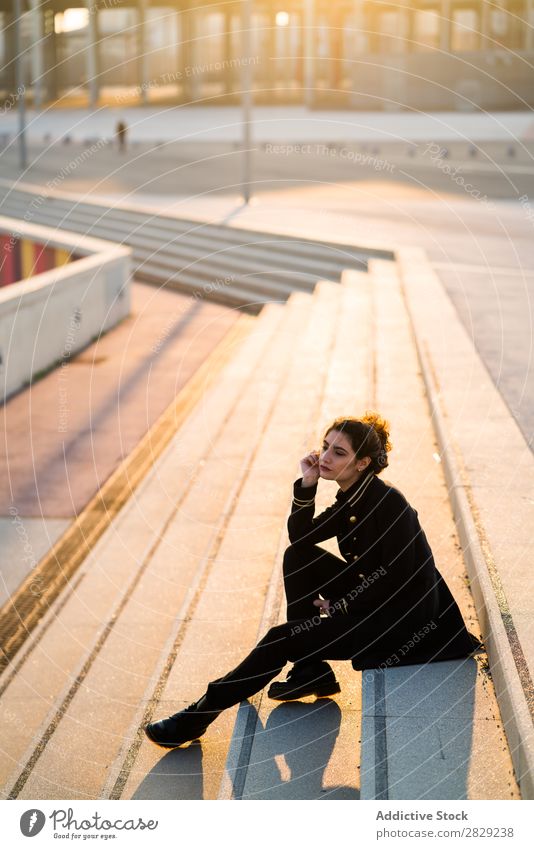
[352,519]
[355,557]
[361,575]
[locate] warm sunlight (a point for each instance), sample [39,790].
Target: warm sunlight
[70,20]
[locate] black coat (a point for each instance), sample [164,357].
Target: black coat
[405,608]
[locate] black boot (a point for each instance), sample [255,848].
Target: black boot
[188,724]
[305,679]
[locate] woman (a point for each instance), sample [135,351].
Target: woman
[383,604]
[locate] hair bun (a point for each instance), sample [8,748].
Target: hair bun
[381,426]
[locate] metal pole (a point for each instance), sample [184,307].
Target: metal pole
[246,78]
[37,53]
[142,45]
[92,53]
[309,52]
[19,84]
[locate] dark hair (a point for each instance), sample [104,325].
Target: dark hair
[369,437]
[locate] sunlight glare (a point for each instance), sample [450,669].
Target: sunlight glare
[71,20]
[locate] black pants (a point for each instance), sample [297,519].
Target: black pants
[308,570]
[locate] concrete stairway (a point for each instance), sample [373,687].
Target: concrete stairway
[187,577]
[428,731]
[229,264]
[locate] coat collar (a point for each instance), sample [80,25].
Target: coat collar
[356,492]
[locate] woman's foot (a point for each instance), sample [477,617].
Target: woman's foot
[181,727]
[305,680]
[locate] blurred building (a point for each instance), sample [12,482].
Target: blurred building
[361,54]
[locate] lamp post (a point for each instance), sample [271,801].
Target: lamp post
[246,82]
[309,48]
[19,84]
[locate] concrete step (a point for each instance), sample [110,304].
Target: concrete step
[310,749]
[205,280]
[85,704]
[170,260]
[265,266]
[429,731]
[200,280]
[183,563]
[189,244]
[217,266]
[207,584]
[54,658]
[187,270]
[234,596]
[166,228]
[210,279]
[136,216]
[186,244]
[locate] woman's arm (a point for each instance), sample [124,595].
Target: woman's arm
[301,524]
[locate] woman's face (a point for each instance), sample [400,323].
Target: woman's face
[337,459]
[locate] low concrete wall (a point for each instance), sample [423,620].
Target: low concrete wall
[49,317]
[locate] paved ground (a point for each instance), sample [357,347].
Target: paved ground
[191,150]
[273,123]
[193,169]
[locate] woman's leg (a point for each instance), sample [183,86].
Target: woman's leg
[307,639]
[311,640]
[309,570]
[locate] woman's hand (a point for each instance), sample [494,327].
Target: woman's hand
[310,468]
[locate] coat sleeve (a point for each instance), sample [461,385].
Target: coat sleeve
[392,558]
[302,526]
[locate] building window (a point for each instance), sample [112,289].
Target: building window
[390,35]
[507,26]
[426,25]
[465,30]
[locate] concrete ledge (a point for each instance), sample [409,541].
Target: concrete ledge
[490,475]
[48,317]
